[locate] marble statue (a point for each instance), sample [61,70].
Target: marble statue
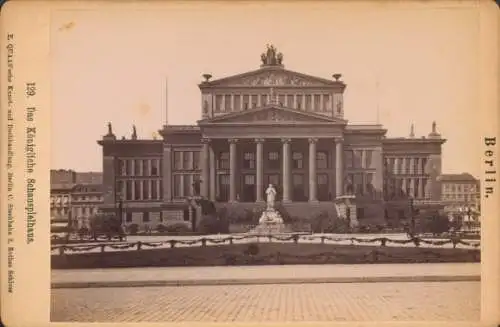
[271,197]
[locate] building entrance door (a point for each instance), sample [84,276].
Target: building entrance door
[298,188]
[323,192]
[248,191]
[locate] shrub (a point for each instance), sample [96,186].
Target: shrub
[212,224]
[59,229]
[160,228]
[252,249]
[133,229]
[177,228]
[83,231]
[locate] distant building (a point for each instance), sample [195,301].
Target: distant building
[85,202]
[74,196]
[272,126]
[459,192]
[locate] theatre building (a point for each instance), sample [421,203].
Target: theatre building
[271,126]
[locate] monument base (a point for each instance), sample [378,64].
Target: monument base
[270,222]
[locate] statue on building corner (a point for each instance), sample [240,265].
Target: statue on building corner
[110,129]
[134,133]
[434,127]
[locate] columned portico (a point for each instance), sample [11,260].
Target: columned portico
[312,170]
[205,168]
[286,169]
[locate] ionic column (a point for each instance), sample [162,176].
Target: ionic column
[232,170]
[260,169]
[232,103]
[339,169]
[323,107]
[241,102]
[158,190]
[259,100]
[312,170]
[295,101]
[149,189]
[205,168]
[411,172]
[286,169]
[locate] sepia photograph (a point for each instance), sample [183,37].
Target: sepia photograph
[266,162]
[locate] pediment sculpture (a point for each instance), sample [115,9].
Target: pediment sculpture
[275,78]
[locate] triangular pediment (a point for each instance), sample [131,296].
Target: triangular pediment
[271,114]
[267,77]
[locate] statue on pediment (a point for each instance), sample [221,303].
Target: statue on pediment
[271,57]
[110,129]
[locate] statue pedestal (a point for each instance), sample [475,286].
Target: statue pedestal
[270,222]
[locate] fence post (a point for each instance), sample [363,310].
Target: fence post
[139,244]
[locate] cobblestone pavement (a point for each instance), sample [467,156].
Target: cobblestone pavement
[274,303]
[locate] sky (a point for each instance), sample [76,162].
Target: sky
[113,66]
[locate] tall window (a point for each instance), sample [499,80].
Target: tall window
[177,186]
[424,184]
[129,190]
[308,102]
[298,160]
[358,157]
[249,160]
[274,160]
[188,188]
[416,193]
[299,102]
[368,158]
[424,164]
[327,100]
[137,167]
[317,103]
[185,160]
[145,188]
[145,168]
[348,158]
[321,160]
[369,183]
[223,161]
[137,190]
[358,183]
[196,159]
[177,160]
[407,165]
[154,189]
[129,167]
[218,103]
[155,169]
[227,103]
[415,166]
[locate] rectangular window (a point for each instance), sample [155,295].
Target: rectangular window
[123,167]
[369,183]
[177,160]
[129,190]
[145,168]
[186,156]
[358,158]
[424,185]
[154,189]
[321,160]
[407,166]
[415,191]
[298,160]
[188,188]
[218,103]
[317,102]
[145,188]
[348,158]
[289,100]
[415,166]
[155,169]
[120,188]
[328,100]
[145,216]
[196,160]
[360,213]
[227,103]
[223,162]
[237,102]
[249,180]
[137,190]
[424,164]
[177,186]
[129,167]
[358,183]
[368,158]
[274,160]
[137,167]
[300,102]
[274,179]
[249,160]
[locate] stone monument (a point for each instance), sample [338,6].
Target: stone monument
[270,221]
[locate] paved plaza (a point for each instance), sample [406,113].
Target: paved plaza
[256,274]
[437,301]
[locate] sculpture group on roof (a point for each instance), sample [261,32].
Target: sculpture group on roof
[271,57]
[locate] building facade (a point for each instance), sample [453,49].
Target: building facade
[271,126]
[85,202]
[460,192]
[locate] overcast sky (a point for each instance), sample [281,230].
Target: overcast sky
[111,65]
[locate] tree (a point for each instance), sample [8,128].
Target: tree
[106,224]
[437,224]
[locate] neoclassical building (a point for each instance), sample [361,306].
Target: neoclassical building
[271,126]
